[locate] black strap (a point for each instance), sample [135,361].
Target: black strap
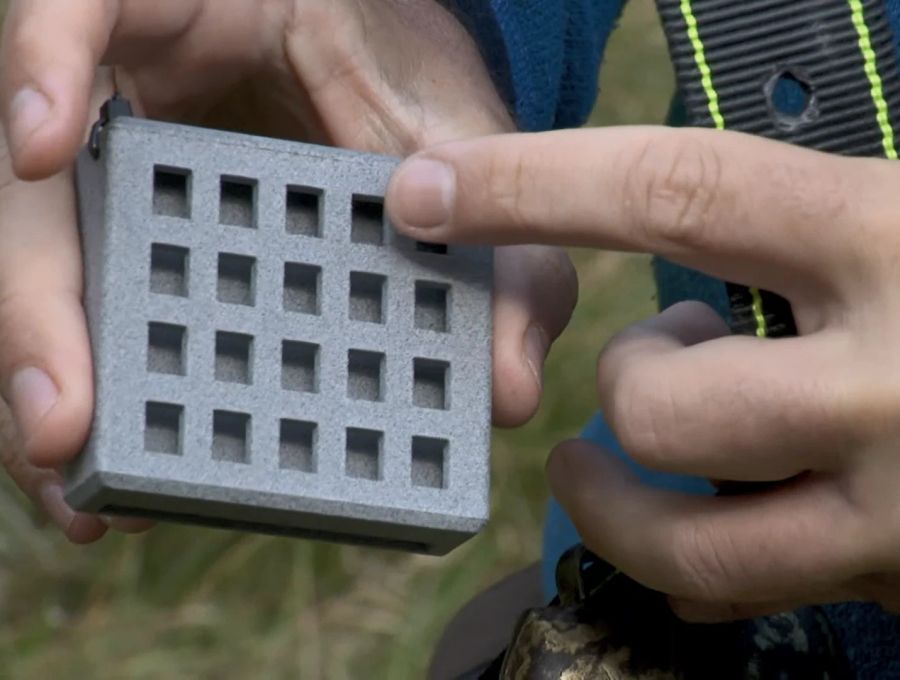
[817,73]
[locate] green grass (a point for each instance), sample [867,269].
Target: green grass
[192,603]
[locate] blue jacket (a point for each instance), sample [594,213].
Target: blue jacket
[544,56]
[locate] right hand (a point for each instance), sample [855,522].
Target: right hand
[391,76]
[811,422]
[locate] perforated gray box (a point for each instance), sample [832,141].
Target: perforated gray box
[269,354]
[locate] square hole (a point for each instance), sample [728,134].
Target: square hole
[231,437]
[168,269]
[171,192]
[162,428]
[237,202]
[367,221]
[428,455]
[234,357]
[299,366]
[431,306]
[301,288]
[237,274]
[433,248]
[165,348]
[367,297]
[430,383]
[297,444]
[363,453]
[364,375]
[302,212]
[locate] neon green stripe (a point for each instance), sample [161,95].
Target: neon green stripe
[865,46]
[713,98]
[877,89]
[762,328]
[700,58]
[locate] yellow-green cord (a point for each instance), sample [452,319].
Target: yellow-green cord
[877,89]
[712,97]
[700,58]
[871,68]
[762,328]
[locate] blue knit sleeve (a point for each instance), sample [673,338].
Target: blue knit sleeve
[544,55]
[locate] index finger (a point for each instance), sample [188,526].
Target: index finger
[733,205]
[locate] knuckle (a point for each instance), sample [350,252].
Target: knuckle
[703,562]
[515,395]
[328,42]
[614,367]
[553,283]
[314,18]
[567,276]
[814,193]
[644,422]
[640,408]
[508,185]
[673,189]
[554,263]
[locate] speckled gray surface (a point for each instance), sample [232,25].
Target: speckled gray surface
[269,354]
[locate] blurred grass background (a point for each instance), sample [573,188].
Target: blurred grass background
[195,603]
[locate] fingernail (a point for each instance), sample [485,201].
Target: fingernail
[536,346]
[28,110]
[55,506]
[32,395]
[425,193]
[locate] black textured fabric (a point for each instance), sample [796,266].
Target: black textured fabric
[790,70]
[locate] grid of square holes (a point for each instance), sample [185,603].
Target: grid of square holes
[302,291]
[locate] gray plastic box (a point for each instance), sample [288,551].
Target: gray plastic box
[268,353]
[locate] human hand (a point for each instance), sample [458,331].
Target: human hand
[819,413]
[385,76]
